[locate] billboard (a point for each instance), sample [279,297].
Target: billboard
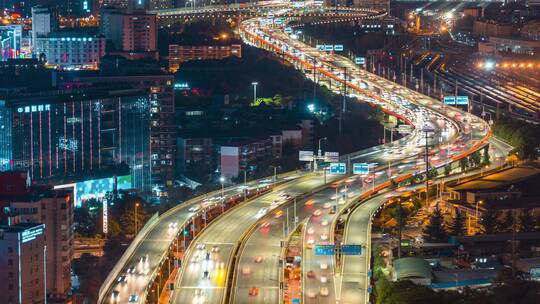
[305,155]
[331,156]
[96,188]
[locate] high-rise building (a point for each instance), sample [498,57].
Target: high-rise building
[108,121]
[10,41]
[52,208]
[22,260]
[133,32]
[44,21]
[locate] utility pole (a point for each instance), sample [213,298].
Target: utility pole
[341,113]
[514,214]
[399,227]
[427,129]
[314,80]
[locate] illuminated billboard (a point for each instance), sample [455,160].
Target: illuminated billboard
[96,188]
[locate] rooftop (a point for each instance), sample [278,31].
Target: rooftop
[500,179]
[412,267]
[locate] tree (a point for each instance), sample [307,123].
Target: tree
[432,173]
[434,231]
[84,222]
[489,220]
[506,224]
[485,160]
[113,226]
[128,219]
[526,222]
[447,169]
[475,158]
[87,268]
[463,164]
[457,227]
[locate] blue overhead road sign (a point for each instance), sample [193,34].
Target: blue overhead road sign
[351,249]
[360,168]
[338,168]
[325,249]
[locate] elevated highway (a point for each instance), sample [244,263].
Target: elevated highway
[219,279]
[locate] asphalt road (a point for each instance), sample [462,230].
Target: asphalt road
[224,233]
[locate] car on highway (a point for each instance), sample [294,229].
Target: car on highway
[310,243]
[246,270]
[133,298]
[317,212]
[201,246]
[198,297]
[265,225]
[311,294]
[310,230]
[324,291]
[206,274]
[122,279]
[278,214]
[259,259]
[114,296]
[261,213]
[173,225]
[131,270]
[311,274]
[323,279]
[215,249]
[143,259]
[194,208]
[254,291]
[324,237]
[324,223]
[327,205]
[324,266]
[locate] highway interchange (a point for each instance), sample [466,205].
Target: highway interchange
[208,264]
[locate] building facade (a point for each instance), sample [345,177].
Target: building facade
[74,49]
[182,53]
[134,32]
[244,155]
[52,208]
[43,22]
[22,260]
[61,136]
[10,42]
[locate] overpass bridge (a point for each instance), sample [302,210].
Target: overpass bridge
[156,250]
[266,9]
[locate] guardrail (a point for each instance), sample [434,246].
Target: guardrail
[231,277]
[127,254]
[106,285]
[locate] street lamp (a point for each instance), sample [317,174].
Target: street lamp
[254,84]
[319,154]
[222,180]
